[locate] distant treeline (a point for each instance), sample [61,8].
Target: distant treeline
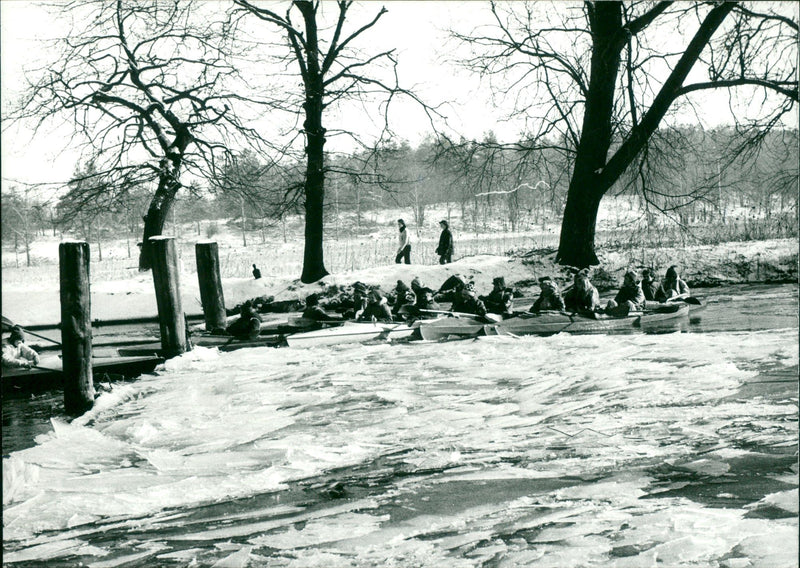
[689,180]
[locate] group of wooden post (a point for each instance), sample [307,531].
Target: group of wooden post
[76,320]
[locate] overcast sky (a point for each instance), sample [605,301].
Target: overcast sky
[418,30]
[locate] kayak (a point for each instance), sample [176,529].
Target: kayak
[550,322]
[351,332]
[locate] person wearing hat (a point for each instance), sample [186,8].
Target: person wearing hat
[16,353]
[651,287]
[549,298]
[467,302]
[445,248]
[583,296]
[315,312]
[403,296]
[629,298]
[500,300]
[403,244]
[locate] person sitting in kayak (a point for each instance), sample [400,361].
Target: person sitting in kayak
[451,287]
[500,300]
[403,297]
[629,298]
[315,312]
[674,287]
[359,301]
[249,323]
[467,302]
[583,296]
[651,287]
[377,308]
[16,353]
[549,298]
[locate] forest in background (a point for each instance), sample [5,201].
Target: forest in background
[695,193]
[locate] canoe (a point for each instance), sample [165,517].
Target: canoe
[351,332]
[451,327]
[49,373]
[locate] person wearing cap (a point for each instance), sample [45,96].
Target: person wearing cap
[445,248]
[467,302]
[249,323]
[549,298]
[651,287]
[404,244]
[629,298]
[16,353]
[674,287]
[583,296]
[450,288]
[500,300]
[403,297]
[315,312]
[377,308]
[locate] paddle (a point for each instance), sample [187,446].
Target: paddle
[8,325]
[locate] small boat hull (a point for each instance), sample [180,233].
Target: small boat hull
[350,332]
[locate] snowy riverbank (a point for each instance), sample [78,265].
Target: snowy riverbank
[770,261]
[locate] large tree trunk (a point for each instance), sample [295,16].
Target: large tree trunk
[576,245]
[156,216]
[313,261]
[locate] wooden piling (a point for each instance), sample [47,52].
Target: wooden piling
[211,296]
[76,327]
[171,320]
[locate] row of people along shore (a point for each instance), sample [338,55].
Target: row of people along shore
[410,302]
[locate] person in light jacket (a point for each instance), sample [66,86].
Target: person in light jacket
[445,248]
[403,244]
[16,354]
[674,287]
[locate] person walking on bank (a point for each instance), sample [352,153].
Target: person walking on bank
[404,244]
[445,248]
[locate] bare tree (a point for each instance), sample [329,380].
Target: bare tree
[154,91]
[332,72]
[600,78]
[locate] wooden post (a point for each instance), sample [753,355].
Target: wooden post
[210,285]
[76,327]
[171,320]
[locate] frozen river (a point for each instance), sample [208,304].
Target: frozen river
[626,450]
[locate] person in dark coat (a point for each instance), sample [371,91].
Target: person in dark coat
[450,288]
[629,298]
[249,323]
[315,312]
[403,297]
[651,287]
[425,300]
[445,248]
[403,244]
[359,301]
[674,287]
[583,296]
[549,298]
[500,300]
[467,302]
[377,308]
[256,272]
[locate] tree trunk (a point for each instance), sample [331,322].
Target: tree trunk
[168,185]
[313,261]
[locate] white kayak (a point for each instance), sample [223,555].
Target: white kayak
[350,332]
